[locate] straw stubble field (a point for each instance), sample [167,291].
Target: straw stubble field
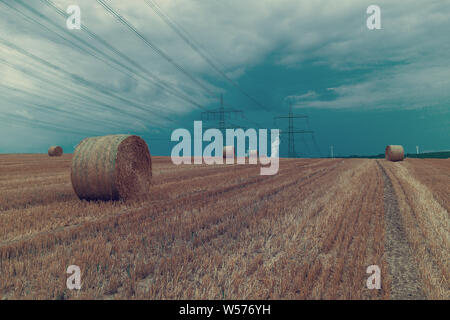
[226,232]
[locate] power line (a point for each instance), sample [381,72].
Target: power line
[185,36]
[71,35]
[98,53]
[220,115]
[65,39]
[291,130]
[35,97]
[151,45]
[41,124]
[80,80]
[138,69]
[247,120]
[56,84]
[314,139]
[48,95]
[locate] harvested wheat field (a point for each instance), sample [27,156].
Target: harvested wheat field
[226,232]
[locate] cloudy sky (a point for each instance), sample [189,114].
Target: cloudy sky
[362,89]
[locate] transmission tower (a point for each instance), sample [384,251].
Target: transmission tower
[222,115]
[291,130]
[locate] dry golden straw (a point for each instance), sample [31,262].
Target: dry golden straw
[55,151]
[111,168]
[394,153]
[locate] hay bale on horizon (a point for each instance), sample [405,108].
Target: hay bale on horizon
[253,153]
[55,151]
[394,153]
[253,156]
[111,167]
[228,152]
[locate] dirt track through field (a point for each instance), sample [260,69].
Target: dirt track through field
[405,283]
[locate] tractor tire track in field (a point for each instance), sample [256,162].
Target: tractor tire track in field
[405,283]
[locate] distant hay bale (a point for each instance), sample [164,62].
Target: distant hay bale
[55,151]
[252,156]
[228,152]
[253,153]
[111,168]
[394,153]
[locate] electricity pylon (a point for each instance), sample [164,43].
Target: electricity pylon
[222,115]
[291,130]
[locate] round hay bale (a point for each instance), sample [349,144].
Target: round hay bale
[55,151]
[228,152]
[253,156]
[111,168]
[253,153]
[394,153]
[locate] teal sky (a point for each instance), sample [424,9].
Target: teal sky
[362,89]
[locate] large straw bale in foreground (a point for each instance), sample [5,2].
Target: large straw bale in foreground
[394,153]
[55,151]
[111,167]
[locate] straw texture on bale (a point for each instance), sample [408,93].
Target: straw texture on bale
[111,168]
[55,151]
[394,153]
[228,152]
